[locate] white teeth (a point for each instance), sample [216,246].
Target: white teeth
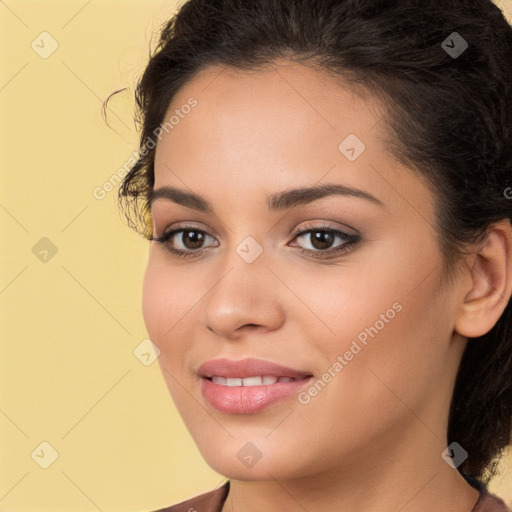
[252,381]
[249,381]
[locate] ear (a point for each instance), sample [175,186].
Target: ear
[490,283]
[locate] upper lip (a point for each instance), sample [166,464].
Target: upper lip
[249,367]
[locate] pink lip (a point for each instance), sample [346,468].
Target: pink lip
[248,399]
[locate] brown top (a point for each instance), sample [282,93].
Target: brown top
[214,500]
[208,502]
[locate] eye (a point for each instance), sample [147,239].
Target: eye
[189,241]
[322,238]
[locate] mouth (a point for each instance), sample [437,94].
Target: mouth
[250,385]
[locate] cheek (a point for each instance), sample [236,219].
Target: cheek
[165,302]
[384,318]
[154,302]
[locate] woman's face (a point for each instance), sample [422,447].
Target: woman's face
[364,309]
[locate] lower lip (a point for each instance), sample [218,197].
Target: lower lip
[249,399]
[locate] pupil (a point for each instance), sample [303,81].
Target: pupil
[195,237]
[323,239]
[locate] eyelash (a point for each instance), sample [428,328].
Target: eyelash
[349,239]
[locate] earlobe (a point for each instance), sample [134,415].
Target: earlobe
[491,283]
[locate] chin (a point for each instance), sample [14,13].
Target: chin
[240,465]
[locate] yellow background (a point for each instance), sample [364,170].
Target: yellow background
[70,324]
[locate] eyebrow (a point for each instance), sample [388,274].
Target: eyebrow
[275,202]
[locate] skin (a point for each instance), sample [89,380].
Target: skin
[372,438]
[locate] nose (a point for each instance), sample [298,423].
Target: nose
[245,297]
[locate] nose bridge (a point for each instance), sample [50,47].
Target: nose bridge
[243,293]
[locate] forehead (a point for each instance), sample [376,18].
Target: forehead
[283,90]
[280,110]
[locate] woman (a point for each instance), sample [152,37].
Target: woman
[327,188]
